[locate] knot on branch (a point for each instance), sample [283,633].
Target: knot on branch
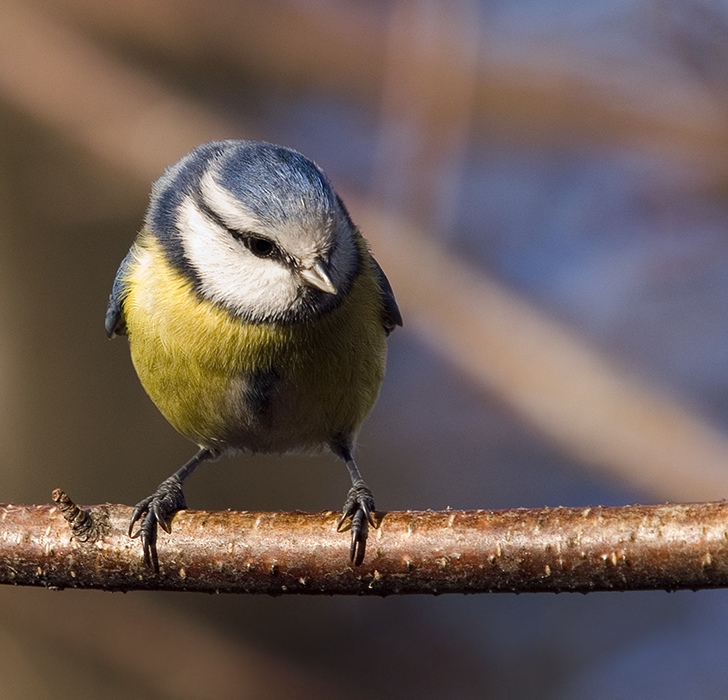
[84,526]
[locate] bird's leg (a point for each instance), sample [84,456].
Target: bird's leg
[159,508]
[358,508]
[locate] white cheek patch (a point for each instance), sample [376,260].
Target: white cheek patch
[233,212]
[229,273]
[227,207]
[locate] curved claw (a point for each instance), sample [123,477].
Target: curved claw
[359,533]
[356,516]
[160,517]
[148,534]
[155,510]
[139,510]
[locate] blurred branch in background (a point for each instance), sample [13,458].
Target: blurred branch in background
[427,109]
[603,415]
[543,92]
[517,551]
[549,375]
[696,31]
[121,116]
[188,660]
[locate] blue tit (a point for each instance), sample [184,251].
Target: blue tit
[256,316]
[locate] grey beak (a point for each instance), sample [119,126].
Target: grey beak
[318,276]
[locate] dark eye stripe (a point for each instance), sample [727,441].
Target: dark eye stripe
[211,214]
[260,246]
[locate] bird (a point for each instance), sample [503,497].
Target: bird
[256,317]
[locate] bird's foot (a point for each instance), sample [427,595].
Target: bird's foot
[357,515]
[154,510]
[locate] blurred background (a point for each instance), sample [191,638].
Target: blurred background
[546,185]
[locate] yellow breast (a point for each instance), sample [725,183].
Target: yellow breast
[204,368]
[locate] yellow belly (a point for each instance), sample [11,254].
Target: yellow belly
[197,363]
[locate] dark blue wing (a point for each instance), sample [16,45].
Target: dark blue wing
[115,323]
[391,317]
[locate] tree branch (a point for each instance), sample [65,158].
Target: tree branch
[525,550]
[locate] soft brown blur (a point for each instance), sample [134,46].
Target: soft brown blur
[545,185]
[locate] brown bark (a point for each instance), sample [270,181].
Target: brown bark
[525,550]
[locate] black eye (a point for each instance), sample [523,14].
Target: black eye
[262,247]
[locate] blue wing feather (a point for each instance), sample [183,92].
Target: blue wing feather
[115,322]
[392,316]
